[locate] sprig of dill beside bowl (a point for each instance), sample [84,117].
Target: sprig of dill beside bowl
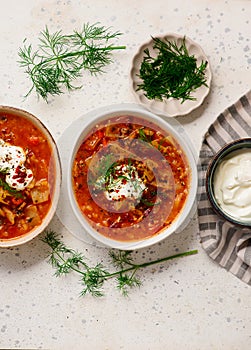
[61,58]
[92,278]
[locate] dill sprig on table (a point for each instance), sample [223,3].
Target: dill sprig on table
[61,58]
[173,72]
[92,278]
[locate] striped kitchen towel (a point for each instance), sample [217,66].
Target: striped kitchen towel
[228,245]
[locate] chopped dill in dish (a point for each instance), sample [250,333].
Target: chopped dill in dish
[170,71]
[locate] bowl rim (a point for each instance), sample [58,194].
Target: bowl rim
[7,243]
[217,158]
[116,110]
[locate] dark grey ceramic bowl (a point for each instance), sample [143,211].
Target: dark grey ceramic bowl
[225,152]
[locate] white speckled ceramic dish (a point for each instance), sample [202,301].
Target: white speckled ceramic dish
[170,107]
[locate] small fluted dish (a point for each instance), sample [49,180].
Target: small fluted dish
[170,107]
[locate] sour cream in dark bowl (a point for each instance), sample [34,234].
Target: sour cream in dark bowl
[228,182]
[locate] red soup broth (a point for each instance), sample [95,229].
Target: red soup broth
[130,178]
[23,210]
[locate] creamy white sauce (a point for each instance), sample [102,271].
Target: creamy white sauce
[232,184]
[12,159]
[125,183]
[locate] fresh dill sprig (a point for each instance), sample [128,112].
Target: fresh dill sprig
[61,58]
[173,72]
[65,260]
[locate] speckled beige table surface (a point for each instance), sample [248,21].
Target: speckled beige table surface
[189,303]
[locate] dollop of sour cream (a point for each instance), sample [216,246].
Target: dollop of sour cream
[232,185]
[124,183]
[12,160]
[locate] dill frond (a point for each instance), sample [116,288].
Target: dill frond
[65,260]
[60,59]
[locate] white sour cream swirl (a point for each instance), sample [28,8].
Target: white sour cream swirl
[12,159]
[232,185]
[128,184]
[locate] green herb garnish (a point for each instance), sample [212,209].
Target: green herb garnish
[92,279]
[172,73]
[9,189]
[144,137]
[148,203]
[61,58]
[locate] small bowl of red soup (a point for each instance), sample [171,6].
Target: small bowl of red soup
[132,178]
[30,176]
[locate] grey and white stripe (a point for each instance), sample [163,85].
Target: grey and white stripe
[228,245]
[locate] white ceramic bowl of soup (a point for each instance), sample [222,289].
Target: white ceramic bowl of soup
[123,189]
[30,176]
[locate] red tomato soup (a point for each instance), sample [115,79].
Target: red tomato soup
[130,178]
[26,176]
